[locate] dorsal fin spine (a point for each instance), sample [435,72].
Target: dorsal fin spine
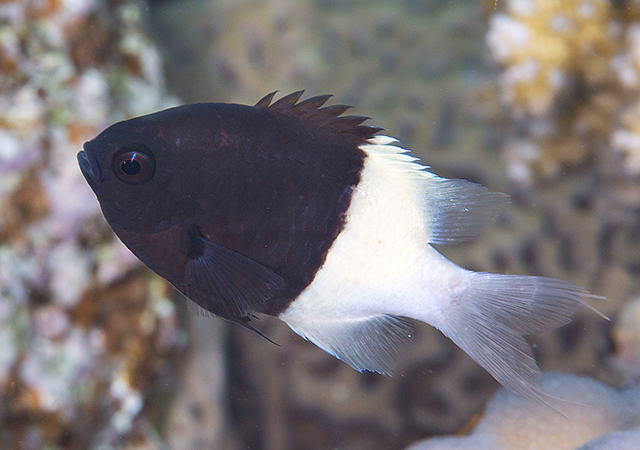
[328,117]
[314,103]
[288,101]
[265,101]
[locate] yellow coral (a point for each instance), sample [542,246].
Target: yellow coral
[570,68]
[542,41]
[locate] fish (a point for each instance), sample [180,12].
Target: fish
[293,209]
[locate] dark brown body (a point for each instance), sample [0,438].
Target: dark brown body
[253,194]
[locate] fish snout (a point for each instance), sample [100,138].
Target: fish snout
[89,167]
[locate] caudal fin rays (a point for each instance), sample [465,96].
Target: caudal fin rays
[491,317]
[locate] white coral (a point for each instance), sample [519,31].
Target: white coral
[593,412]
[507,36]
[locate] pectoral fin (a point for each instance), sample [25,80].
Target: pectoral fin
[226,283]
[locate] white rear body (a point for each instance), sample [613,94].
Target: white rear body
[382,267]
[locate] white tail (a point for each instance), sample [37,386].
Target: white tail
[490,318]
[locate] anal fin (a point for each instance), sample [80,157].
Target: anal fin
[369,343]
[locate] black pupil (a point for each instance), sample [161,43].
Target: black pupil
[130,166]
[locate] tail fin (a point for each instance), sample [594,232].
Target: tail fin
[491,317]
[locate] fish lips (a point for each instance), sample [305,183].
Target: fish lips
[90,167]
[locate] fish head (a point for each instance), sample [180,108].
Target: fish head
[144,173]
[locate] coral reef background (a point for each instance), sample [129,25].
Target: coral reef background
[85,332]
[536,98]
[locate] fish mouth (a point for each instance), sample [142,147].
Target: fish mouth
[89,167]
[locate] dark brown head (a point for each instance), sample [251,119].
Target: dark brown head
[142,170]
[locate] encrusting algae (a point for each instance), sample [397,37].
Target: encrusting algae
[82,330]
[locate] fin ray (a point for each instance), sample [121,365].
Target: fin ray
[370,343]
[265,101]
[492,315]
[198,310]
[459,210]
[454,211]
[328,117]
[220,276]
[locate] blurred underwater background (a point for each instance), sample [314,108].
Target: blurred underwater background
[536,98]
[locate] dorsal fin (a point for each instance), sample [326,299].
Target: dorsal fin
[329,117]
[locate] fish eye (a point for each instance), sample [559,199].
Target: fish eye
[134,164]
